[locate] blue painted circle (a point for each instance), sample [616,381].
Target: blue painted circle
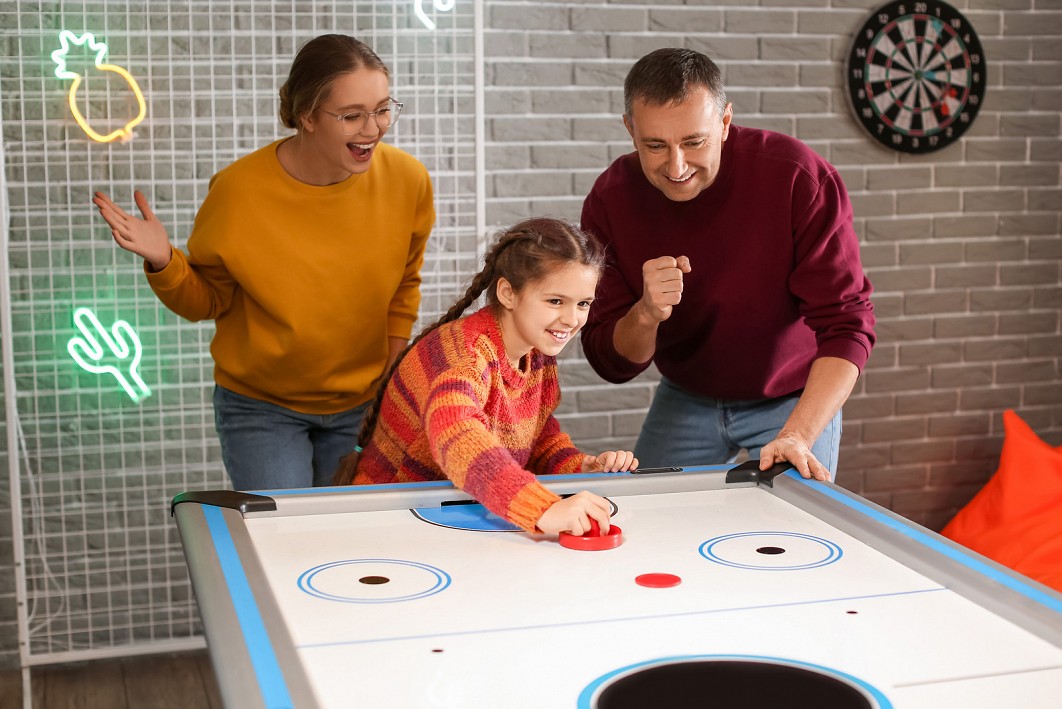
[436,581]
[587,698]
[470,517]
[831,552]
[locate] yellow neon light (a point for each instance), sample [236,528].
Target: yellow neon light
[66,38]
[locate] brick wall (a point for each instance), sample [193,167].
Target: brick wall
[964,245]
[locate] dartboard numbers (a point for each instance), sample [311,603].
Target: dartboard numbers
[916,75]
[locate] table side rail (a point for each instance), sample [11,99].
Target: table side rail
[251,649]
[374,498]
[1012,596]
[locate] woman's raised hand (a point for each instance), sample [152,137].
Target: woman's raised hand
[145,237]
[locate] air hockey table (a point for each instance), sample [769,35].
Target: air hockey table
[731,588]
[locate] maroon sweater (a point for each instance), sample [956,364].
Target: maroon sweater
[775,278]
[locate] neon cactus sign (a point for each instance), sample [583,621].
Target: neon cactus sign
[123,349]
[66,38]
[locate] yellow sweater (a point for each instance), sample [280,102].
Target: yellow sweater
[305,282]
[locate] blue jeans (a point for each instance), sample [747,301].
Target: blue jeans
[687,429]
[269,447]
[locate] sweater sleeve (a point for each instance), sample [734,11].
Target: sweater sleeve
[198,286]
[472,457]
[615,298]
[403,309]
[554,452]
[193,292]
[828,278]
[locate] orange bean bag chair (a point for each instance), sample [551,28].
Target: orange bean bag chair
[1016,518]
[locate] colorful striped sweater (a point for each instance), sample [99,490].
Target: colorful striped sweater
[456,408]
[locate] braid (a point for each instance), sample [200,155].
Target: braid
[480,282]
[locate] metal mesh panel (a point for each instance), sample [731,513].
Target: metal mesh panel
[94,470]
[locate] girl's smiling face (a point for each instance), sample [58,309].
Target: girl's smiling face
[548,312]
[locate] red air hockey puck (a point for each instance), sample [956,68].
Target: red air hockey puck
[594,540]
[657,580]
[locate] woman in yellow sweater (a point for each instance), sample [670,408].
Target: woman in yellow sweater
[307,255]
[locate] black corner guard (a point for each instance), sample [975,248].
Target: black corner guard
[232,499]
[749,472]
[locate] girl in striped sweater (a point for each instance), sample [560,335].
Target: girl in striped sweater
[472,398]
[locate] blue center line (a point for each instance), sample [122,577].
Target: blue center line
[599,621]
[980,675]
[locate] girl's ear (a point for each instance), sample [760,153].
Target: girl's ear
[506,294]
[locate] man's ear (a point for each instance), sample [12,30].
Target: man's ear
[506,294]
[628,125]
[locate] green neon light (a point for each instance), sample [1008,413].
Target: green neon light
[439,5]
[121,342]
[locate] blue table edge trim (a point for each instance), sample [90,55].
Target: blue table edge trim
[259,646]
[262,500]
[438,484]
[929,540]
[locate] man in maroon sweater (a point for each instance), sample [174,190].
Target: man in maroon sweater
[734,267]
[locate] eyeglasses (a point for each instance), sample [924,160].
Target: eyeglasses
[353,123]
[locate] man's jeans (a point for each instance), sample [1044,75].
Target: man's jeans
[684,429]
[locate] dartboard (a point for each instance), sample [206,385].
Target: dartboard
[916,75]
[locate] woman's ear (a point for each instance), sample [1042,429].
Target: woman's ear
[506,294]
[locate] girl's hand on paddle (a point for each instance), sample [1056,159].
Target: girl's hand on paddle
[572,514]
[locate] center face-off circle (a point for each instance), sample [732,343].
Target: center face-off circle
[770,551]
[373,581]
[916,75]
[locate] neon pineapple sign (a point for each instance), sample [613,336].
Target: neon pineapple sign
[68,38]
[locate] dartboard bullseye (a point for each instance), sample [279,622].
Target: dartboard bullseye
[916,75]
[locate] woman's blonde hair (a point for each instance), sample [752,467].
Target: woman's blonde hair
[318,64]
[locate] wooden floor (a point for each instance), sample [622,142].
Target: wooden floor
[145,682]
